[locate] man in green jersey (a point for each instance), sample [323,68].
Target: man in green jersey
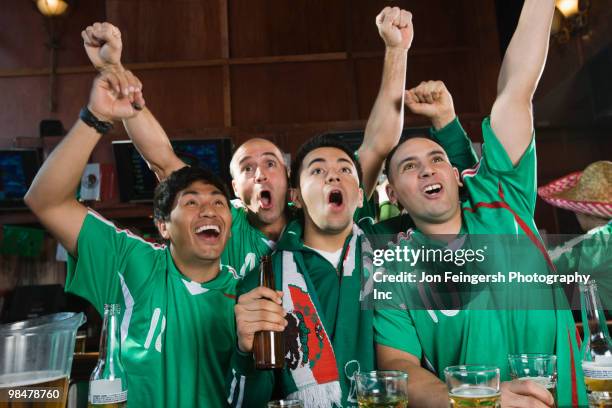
[260,177]
[501,200]
[177,301]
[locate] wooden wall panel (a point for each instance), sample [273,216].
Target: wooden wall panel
[184,99]
[437,23]
[23,37]
[277,27]
[290,93]
[159,30]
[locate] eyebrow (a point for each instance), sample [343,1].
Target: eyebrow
[245,158]
[197,193]
[411,158]
[320,159]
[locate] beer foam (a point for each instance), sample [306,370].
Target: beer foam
[29,378]
[474,392]
[545,382]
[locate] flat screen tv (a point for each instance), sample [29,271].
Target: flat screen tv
[137,182]
[17,170]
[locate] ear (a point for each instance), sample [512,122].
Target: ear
[163,229]
[295,195]
[457,177]
[234,188]
[360,202]
[391,194]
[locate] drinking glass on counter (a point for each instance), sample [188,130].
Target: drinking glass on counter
[382,389]
[473,386]
[539,368]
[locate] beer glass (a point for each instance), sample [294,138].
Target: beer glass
[539,368]
[293,403]
[473,386]
[382,389]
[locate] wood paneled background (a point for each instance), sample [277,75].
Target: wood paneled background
[281,69]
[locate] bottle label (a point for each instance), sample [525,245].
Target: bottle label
[106,391]
[596,371]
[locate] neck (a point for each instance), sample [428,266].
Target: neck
[316,238]
[200,271]
[271,231]
[450,227]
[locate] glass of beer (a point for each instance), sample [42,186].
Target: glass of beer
[539,368]
[473,386]
[382,389]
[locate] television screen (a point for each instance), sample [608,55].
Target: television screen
[17,170]
[137,183]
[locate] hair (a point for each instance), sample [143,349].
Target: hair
[167,190]
[387,168]
[317,142]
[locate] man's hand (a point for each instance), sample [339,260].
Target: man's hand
[258,310]
[103,45]
[525,393]
[116,96]
[395,27]
[431,99]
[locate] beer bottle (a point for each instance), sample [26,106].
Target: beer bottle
[108,382]
[597,348]
[268,346]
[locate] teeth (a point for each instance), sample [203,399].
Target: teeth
[433,187]
[208,227]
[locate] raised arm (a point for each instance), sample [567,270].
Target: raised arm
[52,193]
[433,100]
[512,113]
[386,120]
[103,45]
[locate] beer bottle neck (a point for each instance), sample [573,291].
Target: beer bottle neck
[593,317]
[110,342]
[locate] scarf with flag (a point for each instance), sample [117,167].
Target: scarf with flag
[322,361]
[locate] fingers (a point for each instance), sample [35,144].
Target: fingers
[428,92]
[525,393]
[100,33]
[405,19]
[259,293]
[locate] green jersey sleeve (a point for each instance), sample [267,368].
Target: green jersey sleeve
[395,328]
[108,261]
[455,142]
[518,182]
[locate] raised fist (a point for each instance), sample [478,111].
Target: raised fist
[103,45]
[431,99]
[116,96]
[395,27]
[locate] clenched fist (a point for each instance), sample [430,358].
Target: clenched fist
[395,27]
[433,100]
[103,45]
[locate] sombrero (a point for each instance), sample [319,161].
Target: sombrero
[588,192]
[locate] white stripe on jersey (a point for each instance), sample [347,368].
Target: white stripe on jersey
[128,233]
[129,307]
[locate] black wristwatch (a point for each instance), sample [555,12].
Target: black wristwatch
[89,118]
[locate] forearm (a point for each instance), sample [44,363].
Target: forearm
[153,144]
[457,144]
[526,55]
[386,119]
[424,388]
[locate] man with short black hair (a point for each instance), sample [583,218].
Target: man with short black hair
[177,327]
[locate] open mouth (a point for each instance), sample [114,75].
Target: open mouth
[335,198]
[265,199]
[208,231]
[432,189]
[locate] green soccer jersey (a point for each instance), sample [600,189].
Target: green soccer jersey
[589,254]
[501,200]
[177,335]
